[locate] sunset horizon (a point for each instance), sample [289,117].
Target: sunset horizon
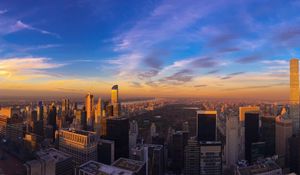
[147,50]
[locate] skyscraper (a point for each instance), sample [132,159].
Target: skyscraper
[65,112]
[294,94]
[153,155]
[192,157]
[283,131]
[251,133]
[98,116]
[49,162]
[117,129]
[106,151]
[133,134]
[40,110]
[89,105]
[294,154]
[268,134]
[179,141]
[206,125]
[210,158]
[65,105]
[80,144]
[232,140]
[242,111]
[115,94]
[115,101]
[99,107]
[52,119]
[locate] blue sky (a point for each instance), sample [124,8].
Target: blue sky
[191,47]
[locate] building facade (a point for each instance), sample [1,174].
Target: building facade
[80,144]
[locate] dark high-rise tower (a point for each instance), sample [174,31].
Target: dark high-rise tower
[179,141]
[83,119]
[251,132]
[206,125]
[268,134]
[117,129]
[40,110]
[52,119]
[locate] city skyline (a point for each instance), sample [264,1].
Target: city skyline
[158,48]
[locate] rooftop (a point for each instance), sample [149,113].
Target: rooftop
[95,168]
[206,112]
[210,143]
[129,164]
[81,132]
[259,168]
[52,153]
[156,146]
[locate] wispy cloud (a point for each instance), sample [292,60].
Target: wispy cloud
[182,76]
[3,11]
[213,71]
[19,25]
[142,59]
[249,59]
[275,62]
[125,65]
[256,87]
[147,74]
[158,26]
[26,68]
[39,47]
[136,84]
[200,85]
[231,75]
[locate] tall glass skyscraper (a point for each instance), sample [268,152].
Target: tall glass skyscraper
[294,94]
[116,107]
[89,105]
[115,94]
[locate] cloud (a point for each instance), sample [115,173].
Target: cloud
[200,85]
[275,62]
[154,59]
[19,25]
[213,71]
[151,83]
[143,40]
[39,47]
[125,66]
[193,63]
[136,84]
[26,68]
[287,32]
[248,59]
[232,75]
[255,87]
[205,62]
[157,28]
[3,11]
[222,39]
[236,73]
[182,76]
[229,49]
[148,74]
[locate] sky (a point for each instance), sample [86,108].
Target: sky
[151,48]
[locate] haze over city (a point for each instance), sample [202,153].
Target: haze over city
[153,48]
